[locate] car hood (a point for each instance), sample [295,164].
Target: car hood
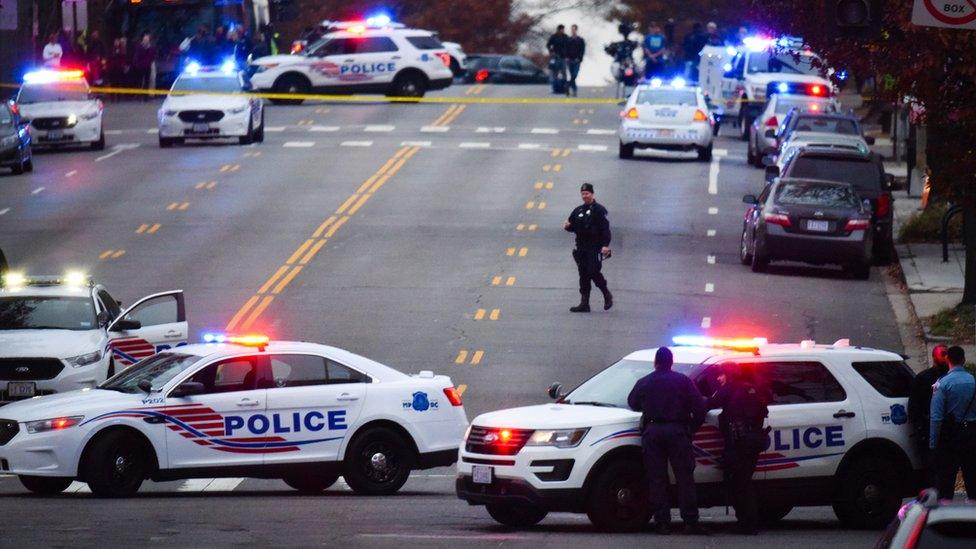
[203,102]
[556,416]
[278,60]
[49,343]
[767,77]
[83,402]
[56,108]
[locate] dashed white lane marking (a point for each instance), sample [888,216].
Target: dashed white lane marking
[77,487]
[606,132]
[4,211]
[301,144]
[711,260]
[594,148]
[416,144]
[194,485]
[720,152]
[152,130]
[710,232]
[706,322]
[713,174]
[37,190]
[486,537]
[529,146]
[112,132]
[275,129]
[379,128]
[323,128]
[475,145]
[547,131]
[435,129]
[71,173]
[492,129]
[713,211]
[709,288]
[116,150]
[356,144]
[223,484]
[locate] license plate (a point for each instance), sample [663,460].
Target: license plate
[821,226]
[481,474]
[665,133]
[55,134]
[18,389]
[201,128]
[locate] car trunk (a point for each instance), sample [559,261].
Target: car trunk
[666,115]
[817,220]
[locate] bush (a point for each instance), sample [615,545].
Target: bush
[926,226]
[956,323]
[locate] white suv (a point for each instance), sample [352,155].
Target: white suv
[358,58]
[839,436]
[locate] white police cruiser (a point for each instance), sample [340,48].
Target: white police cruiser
[210,103]
[238,406]
[62,333]
[839,436]
[61,109]
[372,56]
[666,116]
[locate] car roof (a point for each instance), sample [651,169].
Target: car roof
[377,32]
[827,150]
[57,290]
[699,355]
[835,115]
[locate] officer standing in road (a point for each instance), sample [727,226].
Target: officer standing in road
[744,409]
[672,410]
[953,427]
[589,222]
[3,266]
[920,405]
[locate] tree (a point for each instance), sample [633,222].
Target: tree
[931,67]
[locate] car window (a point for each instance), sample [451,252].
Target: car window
[334,46]
[43,313]
[863,173]
[824,124]
[425,42]
[788,62]
[109,304]
[891,378]
[342,374]
[667,97]
[526,65]
[227,376]
[807,193]
[372,44]
[157,311]
[69,90]
[304,370]
[223,84]
[509,63]
[799,382]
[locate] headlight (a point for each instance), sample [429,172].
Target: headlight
[238,110]
[90,115]
[560,438]
[84,360]
[54,424]
[72,119]
[9,141]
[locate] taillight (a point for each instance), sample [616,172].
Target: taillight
[816,89]
[481,75]
[631,113]
[916,531]
[700,116]
[453,396]
[445,57]
[777,219]
[772,122]
[857,225]
[884,205]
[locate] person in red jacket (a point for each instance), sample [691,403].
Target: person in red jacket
[143,57]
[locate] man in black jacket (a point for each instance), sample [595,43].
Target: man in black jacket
[589,222]
[920,401]
[575,49]
[557,57]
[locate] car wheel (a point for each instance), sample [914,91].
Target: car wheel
[311,484]
[378,462]
[705,153]
[626,151]
[17,168]
[456,69]
[617,501]
[860,271]
[291,84]
[882,251]
[750,154]
[744,123]
[46,486]
[408,85]
[259,134]
[760,260]
[744,256]
[165,142]
[116,465]
[100,144]
[716,127]
[869,495]
[516,516]
[247,138]
[29,164]
[772,512]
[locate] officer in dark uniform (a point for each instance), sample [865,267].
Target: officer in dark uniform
[672,410]
[744,410]
[3,266]
[952,431]
[589,222]
[919,405]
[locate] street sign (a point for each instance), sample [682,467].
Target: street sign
[952,14]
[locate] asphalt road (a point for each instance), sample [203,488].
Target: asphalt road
[384,229]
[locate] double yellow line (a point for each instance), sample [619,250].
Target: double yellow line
[449,115]
[257,303]
[475,90]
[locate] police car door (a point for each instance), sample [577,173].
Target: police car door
[370,60]
[326,60]
[226,423]
[150,325]
[313,403]
[732,85]
[813,419]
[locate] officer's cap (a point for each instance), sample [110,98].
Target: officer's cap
[663,359]
[586,187]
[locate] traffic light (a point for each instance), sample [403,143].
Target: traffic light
[857,18]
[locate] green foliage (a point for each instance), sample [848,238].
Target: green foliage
[926,226]
[957,323]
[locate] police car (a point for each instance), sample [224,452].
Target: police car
[238,406]
[210,103]
[666,116]
[61,333]
[372,56]
[61,109]
[839,436]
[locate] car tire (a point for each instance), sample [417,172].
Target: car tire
[771,512]
[116,465]
[869,493]
[617,499]
[860,271]
[165,142]
[291,84]
[751,155]
[100,144]
[760,259]
[883,251]
[408,85]
[17,168]
[744,256]
[745,122]
[247,138]
[705,153]
[45,486]
[29,164]
[456,69]
[259,134]
[312,484]
[516,516]
[626,152]
[378,462]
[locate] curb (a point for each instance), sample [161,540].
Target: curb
[910,328]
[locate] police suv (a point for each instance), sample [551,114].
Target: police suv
[61,333]
[373,56]
[238,406]
[839,436]
[61,109]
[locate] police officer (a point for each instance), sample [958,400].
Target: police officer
[744,409]
[3,266]
[672,410]
[920,404]
[589,222]
[952,432]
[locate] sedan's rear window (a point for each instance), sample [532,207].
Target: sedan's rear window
[891,378]
[667,97]
[425,42]
[823,195]
[823,124]
[864,174]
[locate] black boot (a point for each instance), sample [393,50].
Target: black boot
[607,300]
[584,306]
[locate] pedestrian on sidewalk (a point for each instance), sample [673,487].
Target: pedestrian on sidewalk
[557,58]
[53,52]
[920,407]
[953,427]
[143,58]
[575,50]
[592,228]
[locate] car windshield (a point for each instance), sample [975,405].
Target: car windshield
[612,386]
[667,97]
[826,124]
[862,173]
[74,90]
[785,105]
[158,370]
[214,84]
[816,194]
[784,62]
[54,313]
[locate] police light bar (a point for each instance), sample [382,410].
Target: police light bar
[678,82]
[192,68]
[734,344]
[247,340]
[798,88]
[757,43]
[656,82]
[48,76]
[229,66]
[74,279]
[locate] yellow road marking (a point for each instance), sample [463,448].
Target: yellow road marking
[265,301]
[462,357]
[494,314]
[105,254]
[154,228]
[241,312]
[172,205]
[224,168]
[530,204]
[301,250]
[118,254]
[445,114]
[557,167]
[315,249]
[476,358]
[496,280]
[372,178]
[362,200]
[549,185]
[523,252]
[510,281]
[453,116]
[461,389]
[211,185]
[352,198]
[555,152]
[547,167]
[538,185]
[542,205]
[325,224]
[285,281]
[510,251]
[479,314]
[520,226]
[332,230]
[565,153]
[142,228]
[270,282]
[533,227]
[200,185]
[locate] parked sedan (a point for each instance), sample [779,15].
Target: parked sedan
[927,522]
[502,69]
[807,220]
[15,140]
[774,116]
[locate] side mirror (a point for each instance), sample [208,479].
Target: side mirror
[869,139]
[188,388]
[103,319]
[750,199]
[768,161]
[555,390]
[770,133]
[124,325]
